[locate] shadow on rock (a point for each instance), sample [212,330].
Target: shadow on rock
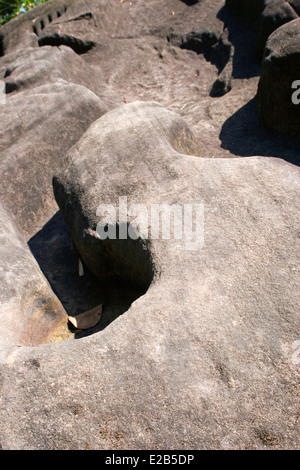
[58,259]
[243,135]
[243,37]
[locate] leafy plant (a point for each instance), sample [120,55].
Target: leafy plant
[9,9]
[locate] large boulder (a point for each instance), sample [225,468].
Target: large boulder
[40,125]
[74,188]
[266,15]
[220,315]
[280,70]
[30,312]
[275,14]
[33,67]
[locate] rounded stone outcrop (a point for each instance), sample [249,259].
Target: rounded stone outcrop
[206,355]
[278,107]
[275,14]
[113,145]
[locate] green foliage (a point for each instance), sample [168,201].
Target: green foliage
[11,8]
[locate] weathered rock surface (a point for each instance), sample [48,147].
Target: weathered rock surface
[30,312]
[207,348]
[248,10]
[154,101]
[280,69]
[121,144]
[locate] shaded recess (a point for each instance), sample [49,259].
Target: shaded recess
[243,37]
[58,259]
[243,135]
[215,49]
[55,39]
[190,2]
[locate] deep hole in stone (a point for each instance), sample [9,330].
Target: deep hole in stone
[58,259]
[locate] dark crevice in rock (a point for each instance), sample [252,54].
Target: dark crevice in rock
[245,10]
[78,46]
[243,38]
[199,42]
[7,73]
[41,23]
[237,136]
[58,258]
[221,86]
[295,4]
[190,2]
[214,49]
[1,46]
[84,16]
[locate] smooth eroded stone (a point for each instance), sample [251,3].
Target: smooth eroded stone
[122,139]
[202,352]
[38,127]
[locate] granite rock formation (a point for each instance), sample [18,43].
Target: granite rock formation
[156,102]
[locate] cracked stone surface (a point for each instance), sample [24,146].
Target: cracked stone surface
[195,349]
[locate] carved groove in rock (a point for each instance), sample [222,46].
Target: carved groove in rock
[41,23]
[55,39]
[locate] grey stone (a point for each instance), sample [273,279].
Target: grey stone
[30,312]
[195,349]
[196,362]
